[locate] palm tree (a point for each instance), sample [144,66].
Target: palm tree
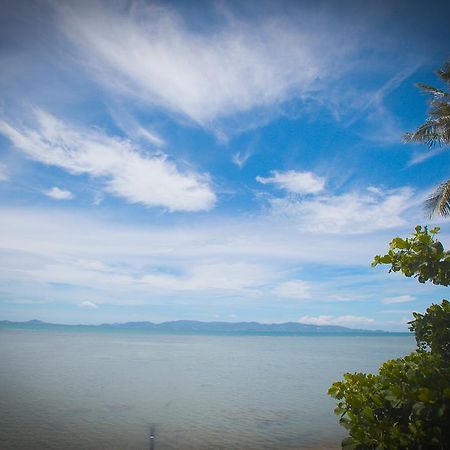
[436,131]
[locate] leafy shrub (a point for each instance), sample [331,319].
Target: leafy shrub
[432,329]
[407,404]
[421,256]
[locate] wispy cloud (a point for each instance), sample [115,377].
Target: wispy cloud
[398,299]
[353,212]
[132,128]
[374,101]
[59,194]
[137,177]
[241,158]
[294,289]
[241,277]
[88,305]
[71,256]
[348,297]
[424,154]
[201,75]
[295,181]
[346,321]
[250,256]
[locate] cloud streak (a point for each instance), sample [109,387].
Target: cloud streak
[128,173]
[294,289]
[350,212]
[295,181]
[241,158]
[251,256]
[344,321]
[88,305]
[59,194]
[398,299]
[244,263]
[152,51]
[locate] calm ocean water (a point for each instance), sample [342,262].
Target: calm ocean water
[94,390]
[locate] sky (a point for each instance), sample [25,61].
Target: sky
[214,160]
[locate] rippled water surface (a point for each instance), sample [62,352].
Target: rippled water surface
[98,390]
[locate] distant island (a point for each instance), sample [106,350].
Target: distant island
[194,326]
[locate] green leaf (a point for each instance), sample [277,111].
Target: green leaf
[348,444]
[399,243]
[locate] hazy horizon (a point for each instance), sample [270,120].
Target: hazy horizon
[96,324]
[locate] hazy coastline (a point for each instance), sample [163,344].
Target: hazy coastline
[194,327]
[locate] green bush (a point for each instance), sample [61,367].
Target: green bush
[421,256]
[407,404]
[432,329]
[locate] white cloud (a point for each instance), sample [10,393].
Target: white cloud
[241,260]
[131,264]
[375,190]
[377,123]
[345,321]
[150,52]
[349,213]
[128,124]
[255,240]
[295,289]
[347,297]
[212,277]
[398,299]
[3,172]
[59,194]
[425,153]
[241,158]
[88,305]
[129,173]
[295,181]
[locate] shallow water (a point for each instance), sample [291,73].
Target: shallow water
[92,390]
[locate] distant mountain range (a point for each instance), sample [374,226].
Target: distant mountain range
[193,326]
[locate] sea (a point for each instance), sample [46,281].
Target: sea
[84,389]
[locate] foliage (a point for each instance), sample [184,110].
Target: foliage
[439,200]
[436,130]
[421,256]
[432,329]
[405,406]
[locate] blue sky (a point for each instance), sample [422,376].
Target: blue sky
[214,160]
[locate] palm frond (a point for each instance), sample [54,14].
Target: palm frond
[436,129]
[439,109]
[439,201]
[435,92]
[444,73]
[432,132]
